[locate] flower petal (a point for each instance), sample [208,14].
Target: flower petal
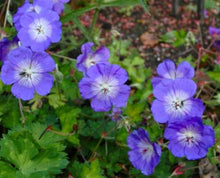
[22,92]
[121,98]
[100,105]
[45,84]
[184,70]
[159,113]
[167,69]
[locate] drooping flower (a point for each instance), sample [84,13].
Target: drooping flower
[37,7]
[58,5]
[115,114]
[190,138]
[89,58]
[6,46]
[144,155]
[174,100]
[215,34]
[39,30]
[104,84]
[28,72]
[167,70]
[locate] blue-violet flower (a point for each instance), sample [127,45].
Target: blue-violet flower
[28,72]
[167,70]
[144,155]
[89,58]
[104,84]
[190,138]
[39,30]
[6,46]
[58,5]
[37,7]
[174,100]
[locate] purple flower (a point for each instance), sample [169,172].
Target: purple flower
[214,32]
[28,72]
[58,5]
[189,138]
[167,70]
[174,100]
[115,114]
[144,155]
[39,30]
[6,46]
[89,58]
[104,84]
[37,7]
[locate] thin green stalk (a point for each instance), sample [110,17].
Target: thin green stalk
[94,19]
[7,9]
[23,119]
[61,56]
[96,147]
[82,28]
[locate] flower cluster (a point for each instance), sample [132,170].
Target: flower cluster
[103,82]
[27,67]
[175,105]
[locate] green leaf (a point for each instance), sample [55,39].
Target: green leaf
[23,151]
[6,170]
[56,100]
[78,12]
[134,110]
[144,5]
[87,170]
[214,76]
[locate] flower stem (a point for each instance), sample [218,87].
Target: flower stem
[23,119]
[6,13]
[61,56]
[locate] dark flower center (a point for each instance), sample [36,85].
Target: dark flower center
[190,139]
[39,29]
[177,104]
[105,91]
[25,74]
[145,150]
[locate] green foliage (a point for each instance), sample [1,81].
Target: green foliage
[23,153]
[87,170]
[176,38]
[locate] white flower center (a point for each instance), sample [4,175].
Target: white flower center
[28,73]
[105,87]
[177,103]
[90,61]
[146,149]
[189,136]
[40,30]
[172,74]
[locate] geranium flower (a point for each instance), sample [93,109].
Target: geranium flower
[6,46]
[167,70]
[144,155]
[190,138]
[58,5]
[214,32]
[39,30]
[104,84]
[37,7]
[115,114]
[89,58]
[174,100]
[28,72]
